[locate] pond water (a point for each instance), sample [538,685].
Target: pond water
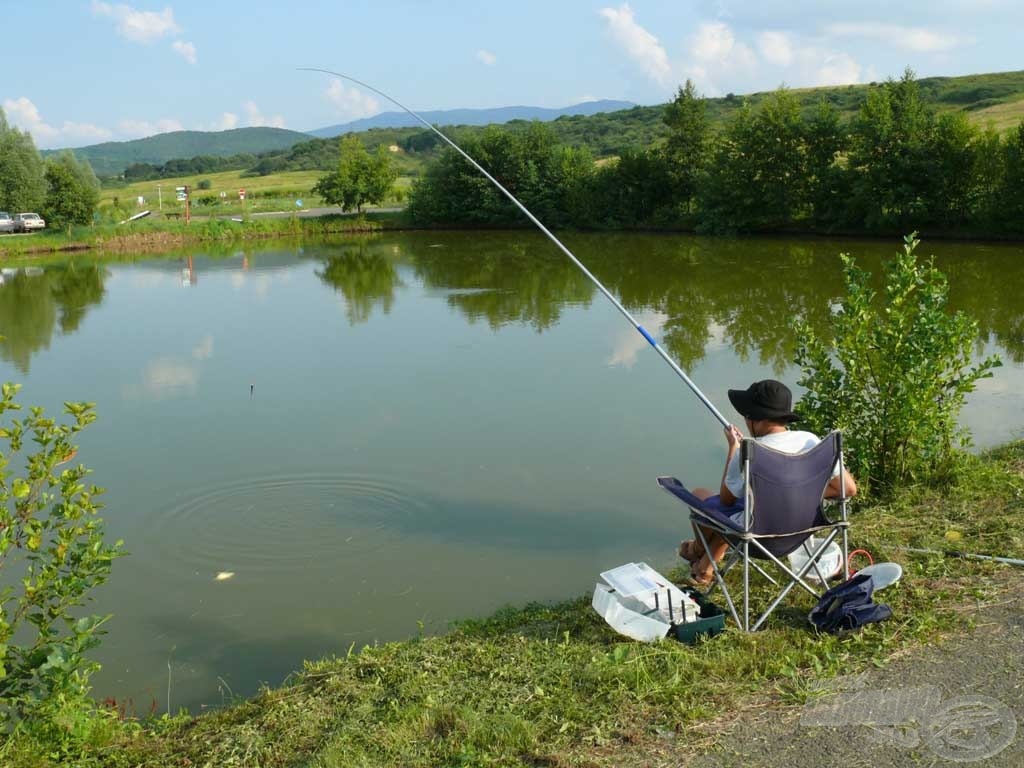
[377,436]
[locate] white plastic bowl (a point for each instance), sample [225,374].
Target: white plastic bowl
[883,574]
[830,562]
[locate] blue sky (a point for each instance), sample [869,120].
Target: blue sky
[78,72]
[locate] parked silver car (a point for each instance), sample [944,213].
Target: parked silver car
[26,222]
[6,222]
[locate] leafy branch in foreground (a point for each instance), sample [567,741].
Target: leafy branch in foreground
[52,546]
[894,373]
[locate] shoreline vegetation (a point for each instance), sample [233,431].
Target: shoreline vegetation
[158,235]
[552,685]
[161,235]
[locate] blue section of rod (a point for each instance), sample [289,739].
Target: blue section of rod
[664,355]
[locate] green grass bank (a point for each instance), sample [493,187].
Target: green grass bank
[551,685]
[158,235]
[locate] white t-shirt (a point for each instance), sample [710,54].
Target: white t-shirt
[790,441]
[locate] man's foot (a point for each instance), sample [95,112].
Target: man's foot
[690,550]
[702,573]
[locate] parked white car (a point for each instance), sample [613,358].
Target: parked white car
[26,222]
[6,222]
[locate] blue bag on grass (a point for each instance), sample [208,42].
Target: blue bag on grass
[849,606]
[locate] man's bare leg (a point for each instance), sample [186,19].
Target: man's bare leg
[693,549]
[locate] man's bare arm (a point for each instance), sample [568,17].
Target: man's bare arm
[832,489]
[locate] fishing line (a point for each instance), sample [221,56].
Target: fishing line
[964,555]
[625,313]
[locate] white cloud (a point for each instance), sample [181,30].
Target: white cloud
[203,350]
[166,377]
[838,69]
[714,44]
[713,41]
[138,26]
[227,121]
[77,131]
[628,343]
[717,55]
[812,65]
[916,39]
[351,103]
[776,48]
[640,45]
[253,117]
[26,116]
[187,51]
[486,57]
[137,129]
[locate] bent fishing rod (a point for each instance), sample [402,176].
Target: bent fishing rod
[625,313]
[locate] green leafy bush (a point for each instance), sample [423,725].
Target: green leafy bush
[52,548]
[893,374]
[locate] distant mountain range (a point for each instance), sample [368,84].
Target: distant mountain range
[112,157]
[995,99]
[470,116]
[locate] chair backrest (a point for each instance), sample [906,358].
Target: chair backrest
[787,490]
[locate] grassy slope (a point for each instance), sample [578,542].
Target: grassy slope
[998,98]
[113,157]
[274,192]
[230,182]
[1004,117]
[551,685]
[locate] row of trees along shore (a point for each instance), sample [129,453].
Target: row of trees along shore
[62,188]
[895,166]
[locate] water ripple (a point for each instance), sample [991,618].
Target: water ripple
[279,523]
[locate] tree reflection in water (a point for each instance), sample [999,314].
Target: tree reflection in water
[30,301]
[365,274]
[747,294]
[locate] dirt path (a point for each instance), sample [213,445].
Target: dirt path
[941,683]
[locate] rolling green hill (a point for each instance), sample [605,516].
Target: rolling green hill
[112,157]
[996,97]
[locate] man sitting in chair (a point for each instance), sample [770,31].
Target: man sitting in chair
[767,408]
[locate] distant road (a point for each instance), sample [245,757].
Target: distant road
[312,213]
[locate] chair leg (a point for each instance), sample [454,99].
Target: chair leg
[763,572]
[741,551]
[719,580]
[734,555]
[846,554]
[775,602]
[795,578]
[814,562]
[746,585]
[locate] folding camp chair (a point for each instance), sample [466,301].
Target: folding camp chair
[783,508]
